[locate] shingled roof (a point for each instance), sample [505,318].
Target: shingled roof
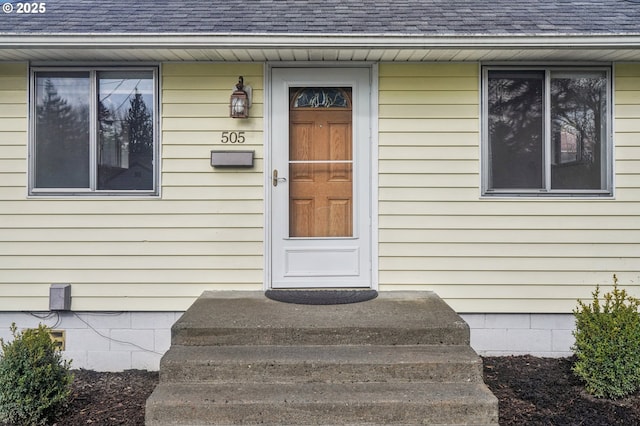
[343,17]
[321,30]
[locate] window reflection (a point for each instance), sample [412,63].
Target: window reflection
[94,130]
[125,134]
[516,129]
[62,130]
[547,130]
[578,108]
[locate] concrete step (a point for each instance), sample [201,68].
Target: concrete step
[322,403]
[328,364]
[249,318]
[240,358]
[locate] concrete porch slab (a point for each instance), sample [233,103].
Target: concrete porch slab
[393,318]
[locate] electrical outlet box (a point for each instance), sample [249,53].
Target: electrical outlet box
[60,297]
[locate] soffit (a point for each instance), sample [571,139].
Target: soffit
[152,48]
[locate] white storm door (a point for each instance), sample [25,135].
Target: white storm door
[320,178]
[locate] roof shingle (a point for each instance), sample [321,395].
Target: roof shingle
[341,17]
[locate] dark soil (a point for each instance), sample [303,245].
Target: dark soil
[531,391]
[544,391]
[108,398]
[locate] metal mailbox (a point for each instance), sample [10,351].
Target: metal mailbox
[232,158]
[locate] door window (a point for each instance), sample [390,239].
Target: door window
[320,162]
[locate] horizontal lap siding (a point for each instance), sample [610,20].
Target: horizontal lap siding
[220,233]
[204,233]
[13,131]
[493,255]
[13,180]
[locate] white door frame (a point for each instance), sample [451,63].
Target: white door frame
[373,166]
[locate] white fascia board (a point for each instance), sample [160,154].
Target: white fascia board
[320,41]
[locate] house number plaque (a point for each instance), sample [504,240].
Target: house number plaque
[232,137]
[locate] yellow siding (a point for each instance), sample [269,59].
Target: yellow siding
[13,179]
[493,255]
[205,232]
[13,131]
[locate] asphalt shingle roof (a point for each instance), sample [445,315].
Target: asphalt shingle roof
[347,17]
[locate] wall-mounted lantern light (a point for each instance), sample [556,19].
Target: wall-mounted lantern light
[240,100]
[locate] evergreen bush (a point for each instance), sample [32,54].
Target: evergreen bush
[607,343]
[35,382]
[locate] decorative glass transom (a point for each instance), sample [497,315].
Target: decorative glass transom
[321,97]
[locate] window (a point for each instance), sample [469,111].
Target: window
[93,131]
[546,131]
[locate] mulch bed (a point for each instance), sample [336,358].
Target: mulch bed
[108,398]
[531,391]
[544,391]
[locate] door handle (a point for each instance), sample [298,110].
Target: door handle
[276,179]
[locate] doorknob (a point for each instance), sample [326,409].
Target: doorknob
[276,179]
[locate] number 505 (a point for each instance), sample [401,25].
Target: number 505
[232,137]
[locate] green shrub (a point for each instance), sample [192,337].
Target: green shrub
[607,343]
[35,382]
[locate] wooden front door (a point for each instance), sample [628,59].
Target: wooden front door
[320,215]
[320,165]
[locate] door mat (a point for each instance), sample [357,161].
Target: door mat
[321,297]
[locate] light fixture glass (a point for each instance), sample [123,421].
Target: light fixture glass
[239,103]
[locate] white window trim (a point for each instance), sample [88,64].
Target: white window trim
[608,154]
[93,164]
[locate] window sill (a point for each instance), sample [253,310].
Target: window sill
[605,195]
[92,195]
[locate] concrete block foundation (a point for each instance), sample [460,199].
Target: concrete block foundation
[116,341]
